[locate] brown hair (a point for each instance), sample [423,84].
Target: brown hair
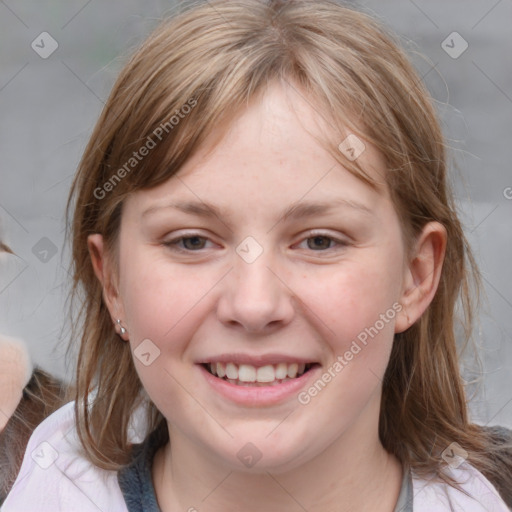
[41,396]
[5,248]
[216,57]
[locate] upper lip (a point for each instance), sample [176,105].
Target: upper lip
[256,360]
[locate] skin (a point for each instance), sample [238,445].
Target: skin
[304,296]
[13,376]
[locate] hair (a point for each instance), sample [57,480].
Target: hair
[214,58]
[5,248]
[42,396]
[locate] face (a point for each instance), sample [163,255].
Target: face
[266,258]
[13,375]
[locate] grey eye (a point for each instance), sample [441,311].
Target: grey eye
[319,242]
[193,242]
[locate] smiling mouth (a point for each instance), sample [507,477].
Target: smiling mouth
[249,375]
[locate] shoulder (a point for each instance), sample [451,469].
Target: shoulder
[479,494]
[55,477]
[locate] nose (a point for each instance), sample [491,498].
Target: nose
[255,297]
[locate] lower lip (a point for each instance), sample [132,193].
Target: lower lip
[259,395]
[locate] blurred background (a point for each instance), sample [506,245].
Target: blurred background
[59,60]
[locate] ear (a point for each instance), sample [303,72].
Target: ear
[105,272]
[422,274]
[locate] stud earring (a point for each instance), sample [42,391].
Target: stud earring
[122,330]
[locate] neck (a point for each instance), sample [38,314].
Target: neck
[335,480]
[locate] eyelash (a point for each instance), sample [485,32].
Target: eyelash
[174,244]
[340,243]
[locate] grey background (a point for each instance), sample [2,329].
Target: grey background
[48,108]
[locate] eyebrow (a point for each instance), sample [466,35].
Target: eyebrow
[307,209]
[296,211]
[200,209]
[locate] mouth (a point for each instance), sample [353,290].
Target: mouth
[246,375]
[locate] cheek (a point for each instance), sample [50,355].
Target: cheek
[164,306]
[352,297]
[11,390]
[354,309]
[157,296]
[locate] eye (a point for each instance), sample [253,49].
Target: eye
[188,243]
[319,243]
[322,242]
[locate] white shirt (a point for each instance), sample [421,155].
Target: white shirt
[54,477]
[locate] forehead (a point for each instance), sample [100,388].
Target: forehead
[277,143]
[283,120]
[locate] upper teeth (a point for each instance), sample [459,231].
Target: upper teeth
[249,373]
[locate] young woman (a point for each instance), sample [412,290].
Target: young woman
[269,259]
[27,396]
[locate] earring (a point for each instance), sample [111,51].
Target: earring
[122,330]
